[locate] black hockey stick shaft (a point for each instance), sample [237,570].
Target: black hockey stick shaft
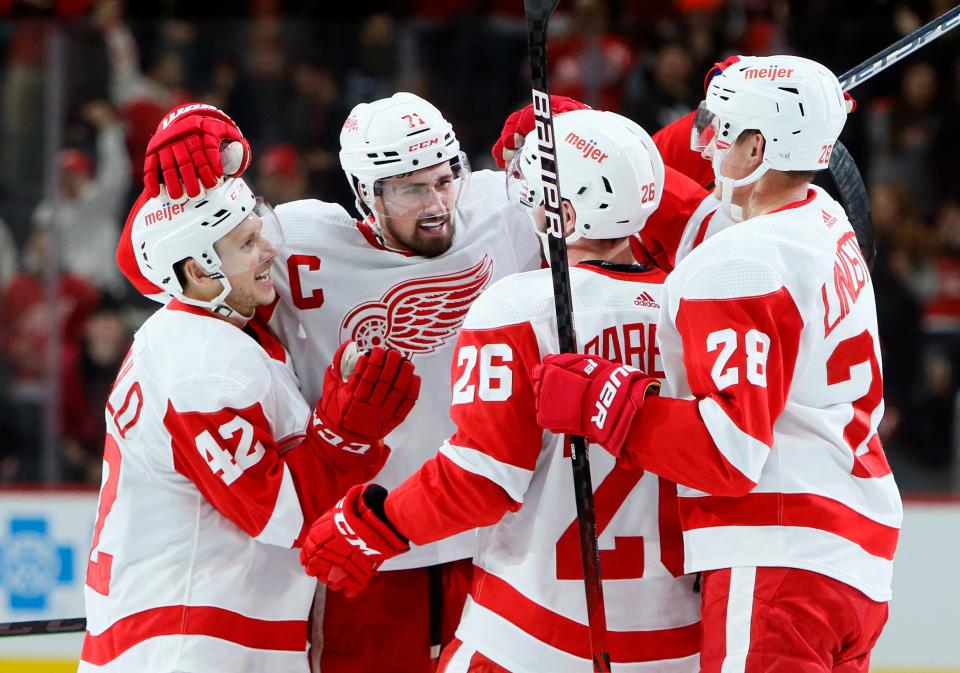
[854,198]
[44,626]
[909,44]
[537,13]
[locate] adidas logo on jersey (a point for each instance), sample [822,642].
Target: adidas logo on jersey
[645,299]
[828,219]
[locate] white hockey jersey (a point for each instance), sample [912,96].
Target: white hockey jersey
[337,282]
[768,335]
[192,567]
[526,610]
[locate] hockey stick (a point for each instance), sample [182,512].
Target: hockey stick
[896,51]
[45,626]
[843,170]
[537,15]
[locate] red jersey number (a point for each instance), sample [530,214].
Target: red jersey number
[869,461]
[626,560]
[100,563]
[125,416]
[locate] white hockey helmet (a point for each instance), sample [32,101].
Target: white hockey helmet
[795,103]
[395,136]
[165,233]
[610,171]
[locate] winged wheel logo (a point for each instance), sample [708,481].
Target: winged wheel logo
[419,315]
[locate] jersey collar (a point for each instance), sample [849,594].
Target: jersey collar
[811,195]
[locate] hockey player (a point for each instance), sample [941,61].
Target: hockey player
[430,238]
[768,415]
[526,611]
[213,464]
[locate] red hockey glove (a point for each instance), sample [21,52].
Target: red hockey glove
[521,122]
[184,153]
[346,545]
[364,398]
[589,396]
[375,398]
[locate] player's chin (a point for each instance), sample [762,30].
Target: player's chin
[434,243]
[265,294]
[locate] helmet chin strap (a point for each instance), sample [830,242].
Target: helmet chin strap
[727,185]
[218,304]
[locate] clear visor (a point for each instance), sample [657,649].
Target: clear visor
[251,244]
[521,191]
[431,191]
[704,131]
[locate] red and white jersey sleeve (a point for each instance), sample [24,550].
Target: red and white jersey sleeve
[773,395]
[526,610]
[192,565]
[687,215]
[337,281]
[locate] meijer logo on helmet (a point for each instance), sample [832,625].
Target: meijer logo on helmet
[165,213]
[589,150]
[768,73]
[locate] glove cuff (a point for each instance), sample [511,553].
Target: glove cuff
[639,387]
[343,449]
[375,498]
[379,533]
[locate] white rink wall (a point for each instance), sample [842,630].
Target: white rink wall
[45,539]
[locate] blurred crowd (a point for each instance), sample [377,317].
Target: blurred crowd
[83,84]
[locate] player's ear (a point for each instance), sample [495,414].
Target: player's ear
[196,279]
[569,218]
[757,145]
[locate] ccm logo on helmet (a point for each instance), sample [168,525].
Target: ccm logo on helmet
[589,150]
[351,124]
[423,145]
[767,73]
[165,213]
[607,393]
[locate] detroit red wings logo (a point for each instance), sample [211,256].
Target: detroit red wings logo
[417,316]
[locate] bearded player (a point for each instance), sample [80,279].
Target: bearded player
[526,611]
[429,239]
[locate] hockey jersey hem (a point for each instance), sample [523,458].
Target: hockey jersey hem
[131,631]
[751,547]
[500,614]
